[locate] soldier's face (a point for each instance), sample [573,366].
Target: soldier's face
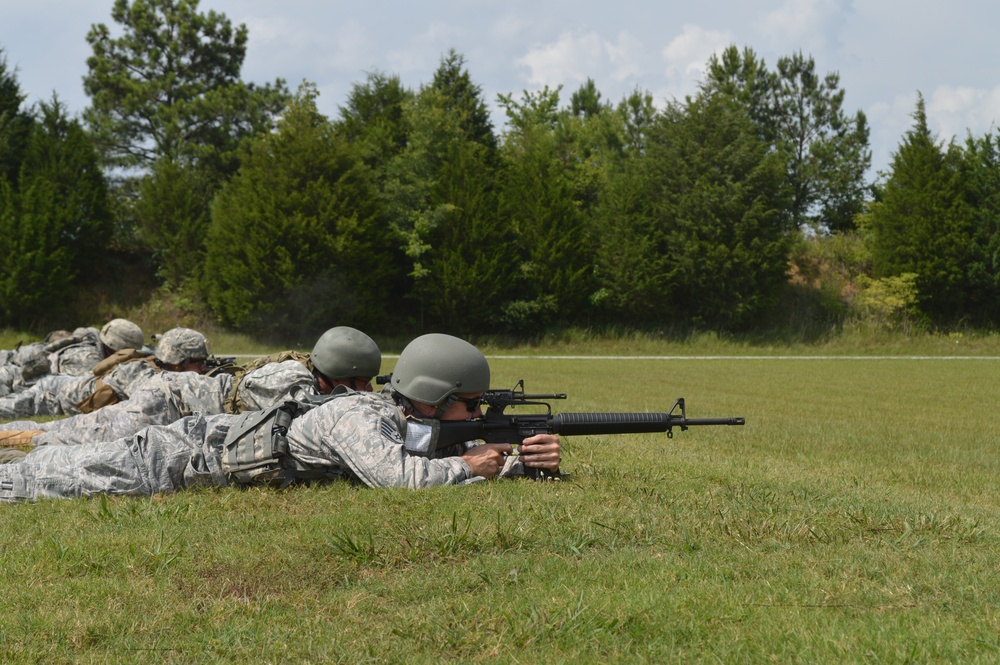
[194,366]
[466,408]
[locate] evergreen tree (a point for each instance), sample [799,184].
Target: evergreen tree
[172,205]
[464,99]
[374,121]
[35,276]
[166,101]
[637,114]
[374,118]
[54,222]
[15,123]
[631,258]
[827,151]
[802,115]
[712,228]
[539,200]
[293,242]
[586,102]
[442,197]
[981,174]
[745,78]
[923,224]
[169,86]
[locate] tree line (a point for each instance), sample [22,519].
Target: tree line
[410,209]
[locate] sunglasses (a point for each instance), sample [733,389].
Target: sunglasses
[471,403]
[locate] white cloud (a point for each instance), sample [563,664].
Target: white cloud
[956,111]
[575,56]
[294,43]
[424,51]
[688,53]
[625,56]
[812,24]
[509,28]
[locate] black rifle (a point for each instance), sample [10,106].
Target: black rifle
[215,362]
[497,426]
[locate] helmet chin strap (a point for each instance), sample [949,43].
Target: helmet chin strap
[443,407]
[439,410]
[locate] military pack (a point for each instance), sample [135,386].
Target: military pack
[234,403]
[255,451]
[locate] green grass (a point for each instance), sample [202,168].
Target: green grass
[855,518]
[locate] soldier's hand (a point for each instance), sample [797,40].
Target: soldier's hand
[487,459]
[540,451]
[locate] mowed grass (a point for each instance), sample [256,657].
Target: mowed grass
[854,518]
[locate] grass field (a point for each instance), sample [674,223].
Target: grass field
[855,518]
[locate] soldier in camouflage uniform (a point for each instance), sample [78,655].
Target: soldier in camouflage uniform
[73,354]
[354,435]
[179,349]
[440,377]
[79,359]
[342,356]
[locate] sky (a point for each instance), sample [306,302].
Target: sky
[885,51]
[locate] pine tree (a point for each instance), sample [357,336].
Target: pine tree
[541,200]
[293,242]
[15,123]
[169,86]
[719,202]
[54,223]
[441,196]
[923,224]
[800,113]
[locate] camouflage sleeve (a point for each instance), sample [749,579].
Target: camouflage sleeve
[274,383]
[160,400]
[364,433]
[190,392]
[52,395]
[76,360]
[8,375]
[125,378]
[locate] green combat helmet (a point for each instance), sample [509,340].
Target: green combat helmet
[119,334]
[344,353]
[434,368]
[181,345]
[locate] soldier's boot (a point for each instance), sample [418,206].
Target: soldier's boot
[11,455]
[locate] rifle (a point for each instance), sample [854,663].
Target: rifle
[215,362]
[497,426]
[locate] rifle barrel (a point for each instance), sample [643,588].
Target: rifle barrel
[572,424]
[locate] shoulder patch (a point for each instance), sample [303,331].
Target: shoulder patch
[389,431]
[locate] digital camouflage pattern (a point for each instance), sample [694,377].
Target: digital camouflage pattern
[78,358]
[59,394]
[52,395]
[170,396]
[357,434]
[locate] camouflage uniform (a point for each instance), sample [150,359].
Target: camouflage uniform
[79,358]
[357,436]
[170,396]
[23,375]
[59,394]
[74,354]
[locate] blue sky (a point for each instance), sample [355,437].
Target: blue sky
[885,51]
